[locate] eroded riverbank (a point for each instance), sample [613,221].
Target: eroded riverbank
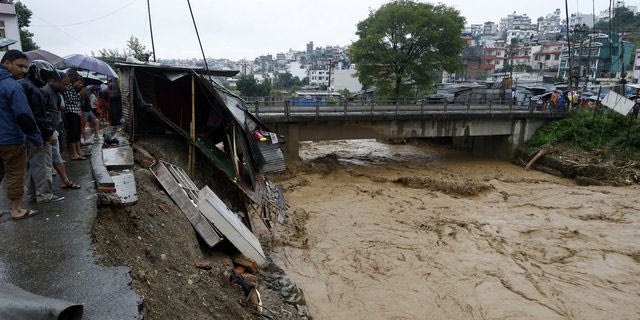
[412,232]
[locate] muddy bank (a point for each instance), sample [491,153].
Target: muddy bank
[587,168]
[527,246]
[156,240]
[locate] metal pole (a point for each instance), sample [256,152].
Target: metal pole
[206,65]
[153,46]
[192,169]
[566,7]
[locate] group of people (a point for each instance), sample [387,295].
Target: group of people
[38,106]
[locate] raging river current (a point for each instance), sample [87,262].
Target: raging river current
[380,231]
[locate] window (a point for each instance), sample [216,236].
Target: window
[547,57]
[3,34]
[557,57]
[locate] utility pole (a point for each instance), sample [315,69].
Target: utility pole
[570,62]
[153,46]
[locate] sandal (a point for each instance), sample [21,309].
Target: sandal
[79,158]
[27,214]
[70,185]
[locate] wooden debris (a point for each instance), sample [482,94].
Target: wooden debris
[540,153]
[230,225]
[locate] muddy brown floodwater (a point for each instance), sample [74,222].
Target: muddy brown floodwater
[383,231]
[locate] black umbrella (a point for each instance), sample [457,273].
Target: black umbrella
[45,55]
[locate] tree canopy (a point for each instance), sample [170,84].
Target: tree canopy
[286,81]
[407,42]
[249,87]
[134,48]
[623,20]
[24,21]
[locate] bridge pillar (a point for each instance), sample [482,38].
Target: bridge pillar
[504,146]
[291,147]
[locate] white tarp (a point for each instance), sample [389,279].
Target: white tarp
[618,103]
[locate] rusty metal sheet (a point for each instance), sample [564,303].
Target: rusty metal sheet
[185,203]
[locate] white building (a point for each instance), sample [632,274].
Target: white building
[345,79]
[636,67]
[9,25]
[578,19]
[551,23]
[297,70]
[490,29]
[516,22]
[319,77]
[476,29]
[522,36]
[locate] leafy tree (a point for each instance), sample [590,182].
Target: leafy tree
[24,20]
[286,81]
[137,49]
[249,87]
[624,19]
[407,42]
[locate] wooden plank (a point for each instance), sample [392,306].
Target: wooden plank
[230,225]
[126,188]
[188,207]
[118,158]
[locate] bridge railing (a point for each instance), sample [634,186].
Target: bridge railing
[397,107]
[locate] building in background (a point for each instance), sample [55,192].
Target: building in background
[9,25]
[636,67]
[345,79]
[579,19]
[604,58]
[490,29]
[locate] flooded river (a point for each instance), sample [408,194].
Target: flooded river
[381,231]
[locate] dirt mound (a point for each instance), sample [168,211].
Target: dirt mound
[463,187]
[155,239]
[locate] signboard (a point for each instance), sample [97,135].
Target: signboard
[618,103]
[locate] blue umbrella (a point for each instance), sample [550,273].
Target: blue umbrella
[90,64]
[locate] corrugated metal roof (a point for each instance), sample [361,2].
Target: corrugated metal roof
[158,67]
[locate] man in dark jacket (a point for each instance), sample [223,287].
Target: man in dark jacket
[53,101]
[17,125]
[40,187]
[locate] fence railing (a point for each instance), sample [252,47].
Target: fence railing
[287,109]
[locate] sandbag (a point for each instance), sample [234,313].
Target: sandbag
[18,304]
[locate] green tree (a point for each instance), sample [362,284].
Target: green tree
[249,87]
[407,42]
[24,20]
[625,19]
[137,49]
[286,81]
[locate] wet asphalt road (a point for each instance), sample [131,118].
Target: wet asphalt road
[51,254]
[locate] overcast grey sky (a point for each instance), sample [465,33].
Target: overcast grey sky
[236,29]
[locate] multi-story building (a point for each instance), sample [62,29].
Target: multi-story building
[476,29]
[520,36]
[310,47]
[319,77]
[490,29]
[546,56]
[602,57]
[9,25]
[636,67]
[579,19]
[494,59]
[551,23]
[515,22]
[345,79]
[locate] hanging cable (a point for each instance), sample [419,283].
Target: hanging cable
[88,21]
[206,65]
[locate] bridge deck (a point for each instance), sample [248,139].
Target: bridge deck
[283,113]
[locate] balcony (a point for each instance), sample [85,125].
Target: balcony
[7,8]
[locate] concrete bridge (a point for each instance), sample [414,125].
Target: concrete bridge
[488,128]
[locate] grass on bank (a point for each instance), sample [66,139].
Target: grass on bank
[598,129]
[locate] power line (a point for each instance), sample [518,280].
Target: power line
[90,20]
